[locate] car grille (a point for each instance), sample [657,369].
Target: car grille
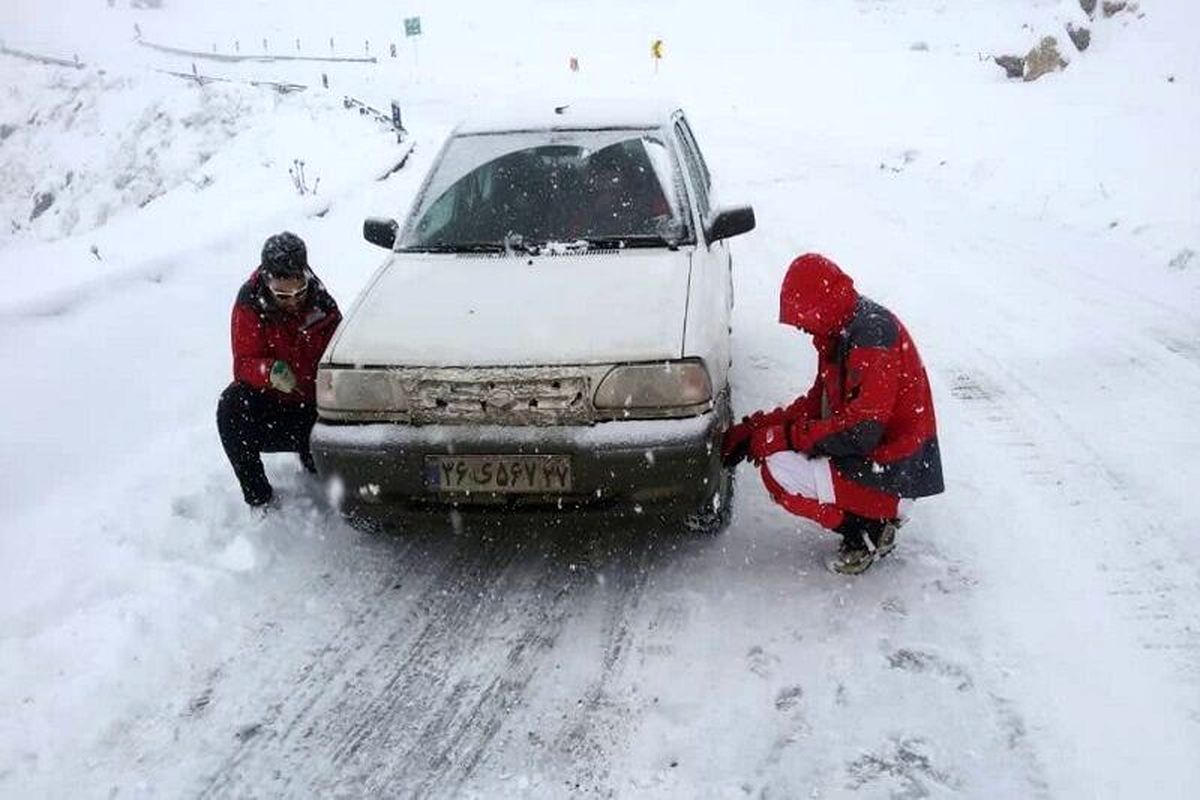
[501,397]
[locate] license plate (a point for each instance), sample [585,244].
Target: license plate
[500,474]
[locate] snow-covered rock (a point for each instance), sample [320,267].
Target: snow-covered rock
[1043,59]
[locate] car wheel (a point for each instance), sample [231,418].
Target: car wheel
[714,516]
[362,522]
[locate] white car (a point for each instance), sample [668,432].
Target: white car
[550,330]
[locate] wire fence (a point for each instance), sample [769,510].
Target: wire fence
[264,58]
[392,120]
[25,55]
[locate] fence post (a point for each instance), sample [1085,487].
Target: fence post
[325,80]
[397,121]
[264,45]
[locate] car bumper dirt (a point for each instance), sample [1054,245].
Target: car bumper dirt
[644,465]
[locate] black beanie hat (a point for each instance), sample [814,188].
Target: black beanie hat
[284,256]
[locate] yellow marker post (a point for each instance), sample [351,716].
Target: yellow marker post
[656,52]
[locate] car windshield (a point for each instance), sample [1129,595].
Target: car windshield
[541,189]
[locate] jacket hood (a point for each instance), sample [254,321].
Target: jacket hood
[816,295]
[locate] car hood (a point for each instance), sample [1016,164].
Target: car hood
[454,310]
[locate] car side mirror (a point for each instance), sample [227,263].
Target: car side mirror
[381,231]
[725,223]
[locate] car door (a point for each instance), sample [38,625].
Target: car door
[710,299]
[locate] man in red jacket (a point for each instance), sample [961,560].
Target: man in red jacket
[853,452]
[282,320]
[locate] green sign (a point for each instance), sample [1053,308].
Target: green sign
[412,26]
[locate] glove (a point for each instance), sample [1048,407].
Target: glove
[736,443]
[282,377]
[767,441]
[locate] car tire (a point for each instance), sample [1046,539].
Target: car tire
[716,512]
[363,523]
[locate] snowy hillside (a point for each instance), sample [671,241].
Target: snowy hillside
[1037,632]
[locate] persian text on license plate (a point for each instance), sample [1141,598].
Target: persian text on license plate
[509,474]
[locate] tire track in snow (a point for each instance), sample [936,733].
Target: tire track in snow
[328,687]
[479,740]
[430,700]
[1169,622]
[440,753]
[1058,468]
[586,739]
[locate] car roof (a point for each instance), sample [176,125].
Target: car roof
[590,114]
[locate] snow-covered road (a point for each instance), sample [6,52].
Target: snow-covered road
[1036,634]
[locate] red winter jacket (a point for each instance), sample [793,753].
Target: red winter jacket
[870,409]
[262,333]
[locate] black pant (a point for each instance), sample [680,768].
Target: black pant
[254,421]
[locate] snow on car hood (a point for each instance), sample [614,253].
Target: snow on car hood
[453,310]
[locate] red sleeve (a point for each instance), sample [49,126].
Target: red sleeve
[329,327]
[321,331]
[251,362]
[808,406]
[855,429]
[317,330]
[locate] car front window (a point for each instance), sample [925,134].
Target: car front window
[540,188]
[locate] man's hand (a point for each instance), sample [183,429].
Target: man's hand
[736,444]
[282,377]
[767,441]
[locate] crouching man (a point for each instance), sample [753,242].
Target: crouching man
[282,320]
[853,452]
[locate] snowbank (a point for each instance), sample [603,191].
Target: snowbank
[84,147]
[1035,632]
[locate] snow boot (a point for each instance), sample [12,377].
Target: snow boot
[864,541]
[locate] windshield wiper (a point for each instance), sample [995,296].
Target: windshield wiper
[455,247]
[631,240]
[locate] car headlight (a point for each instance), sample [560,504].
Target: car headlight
[371,390]
[660,389]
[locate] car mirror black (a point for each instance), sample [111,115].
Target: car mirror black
[725,223]
[380,231]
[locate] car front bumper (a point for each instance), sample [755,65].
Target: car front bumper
[638,465]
